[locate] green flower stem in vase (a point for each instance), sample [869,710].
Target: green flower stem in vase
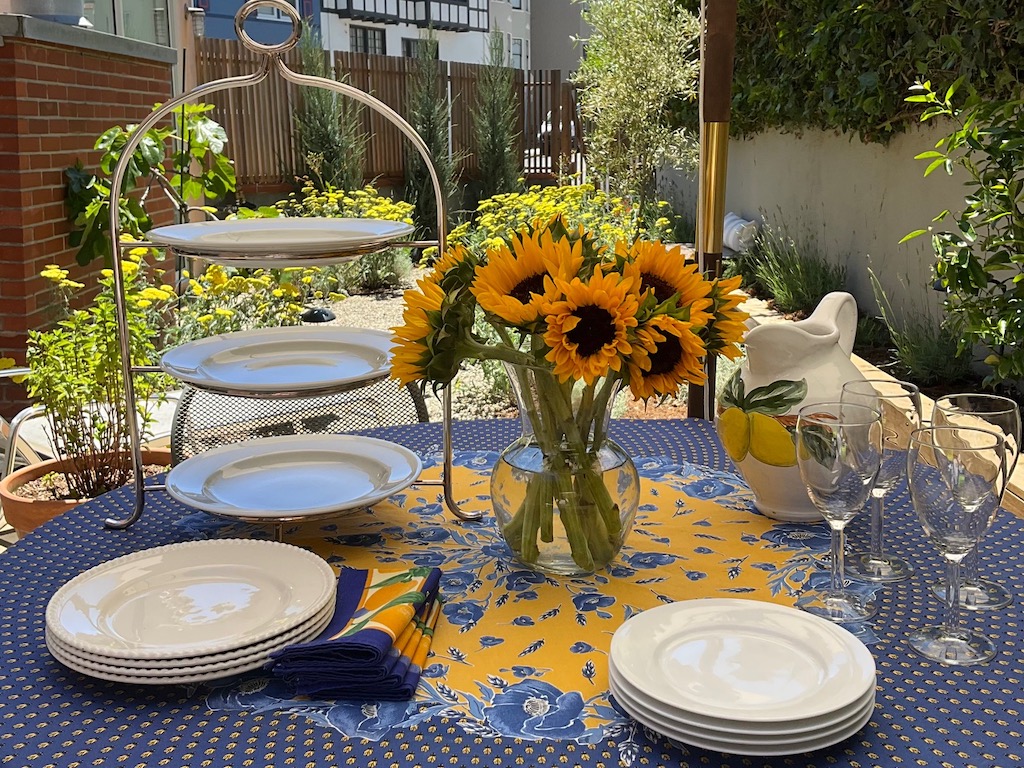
[564,494]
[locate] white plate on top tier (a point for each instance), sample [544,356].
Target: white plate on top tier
[289,360]
[293,477]
[742,660]
[190,599]
[279,242]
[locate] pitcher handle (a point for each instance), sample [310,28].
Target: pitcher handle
[840,308]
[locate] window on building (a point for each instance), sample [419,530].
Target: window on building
[515,53]
[520,4]
[263,12]
[366,40]
[138,19]
[413,46]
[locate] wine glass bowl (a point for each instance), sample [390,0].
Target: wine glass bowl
[1001,415]
[839,451]
[899,402]
[956,477]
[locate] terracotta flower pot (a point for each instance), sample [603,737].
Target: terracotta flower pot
[25,514]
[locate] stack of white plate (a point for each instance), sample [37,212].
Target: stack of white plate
[742,676]
[189,612]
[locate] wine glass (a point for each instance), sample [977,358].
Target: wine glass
[839,451]
[999,414]
[956,476]
[899,402]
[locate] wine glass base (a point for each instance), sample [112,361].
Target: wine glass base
[840,607]
[980,595]
[881,568]
[960,649]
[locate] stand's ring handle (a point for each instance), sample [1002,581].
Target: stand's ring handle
[273,48]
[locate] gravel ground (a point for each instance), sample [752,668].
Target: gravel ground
[473,398]
[383,311]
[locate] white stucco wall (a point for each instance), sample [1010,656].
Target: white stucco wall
[853,199]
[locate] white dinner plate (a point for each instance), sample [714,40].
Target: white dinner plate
[767,750]
[190,599]
[233,666]
[142,679]
[720,729]
[280,242]
[767,739]
[293,360]
[293,477]
[189,664]
[742,660]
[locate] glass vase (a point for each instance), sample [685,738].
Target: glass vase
[564,494]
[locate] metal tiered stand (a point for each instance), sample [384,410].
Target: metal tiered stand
[263,252]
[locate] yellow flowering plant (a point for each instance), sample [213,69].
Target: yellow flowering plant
[573,321]
[76,373]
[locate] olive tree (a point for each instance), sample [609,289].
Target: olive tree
[640,61]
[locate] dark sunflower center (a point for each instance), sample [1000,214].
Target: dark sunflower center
[666,356]
[595,329]
[662,289]
[522,290]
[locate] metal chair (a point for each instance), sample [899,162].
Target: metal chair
[204,420]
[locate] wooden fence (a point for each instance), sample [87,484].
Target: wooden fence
[262,138]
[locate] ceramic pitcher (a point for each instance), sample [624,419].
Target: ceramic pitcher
[788,366]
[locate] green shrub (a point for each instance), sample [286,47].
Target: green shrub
[328,125]
[795,274]
[499,156]
[927,349]
[980,259]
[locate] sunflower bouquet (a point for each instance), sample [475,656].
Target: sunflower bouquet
[573,322]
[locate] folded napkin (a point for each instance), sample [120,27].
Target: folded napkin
[375,645]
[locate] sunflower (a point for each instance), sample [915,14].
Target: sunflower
[452,258]
[514,283]
[666,273]
[727,328]
[666,353]
[587,330]
[411,354]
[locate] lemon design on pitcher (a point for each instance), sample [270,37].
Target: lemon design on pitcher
[755,423]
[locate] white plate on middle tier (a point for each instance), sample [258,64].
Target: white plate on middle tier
[742,660]
[293,477]
[292,360]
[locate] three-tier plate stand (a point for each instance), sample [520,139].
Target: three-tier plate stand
[272,64]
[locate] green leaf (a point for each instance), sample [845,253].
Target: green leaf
[776,398]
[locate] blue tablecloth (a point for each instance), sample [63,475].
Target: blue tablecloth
[926,714]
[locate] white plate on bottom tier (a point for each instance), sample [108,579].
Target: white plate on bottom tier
[720,729]
[840,729]
[293,477]
[193,666]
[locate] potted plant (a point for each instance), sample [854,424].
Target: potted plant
[77,379]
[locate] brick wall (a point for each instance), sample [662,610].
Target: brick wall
[55,100]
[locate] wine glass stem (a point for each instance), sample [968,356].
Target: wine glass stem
[952,596]
[877,504]
[971,566]
[838,545]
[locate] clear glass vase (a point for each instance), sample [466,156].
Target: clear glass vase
[564,495]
